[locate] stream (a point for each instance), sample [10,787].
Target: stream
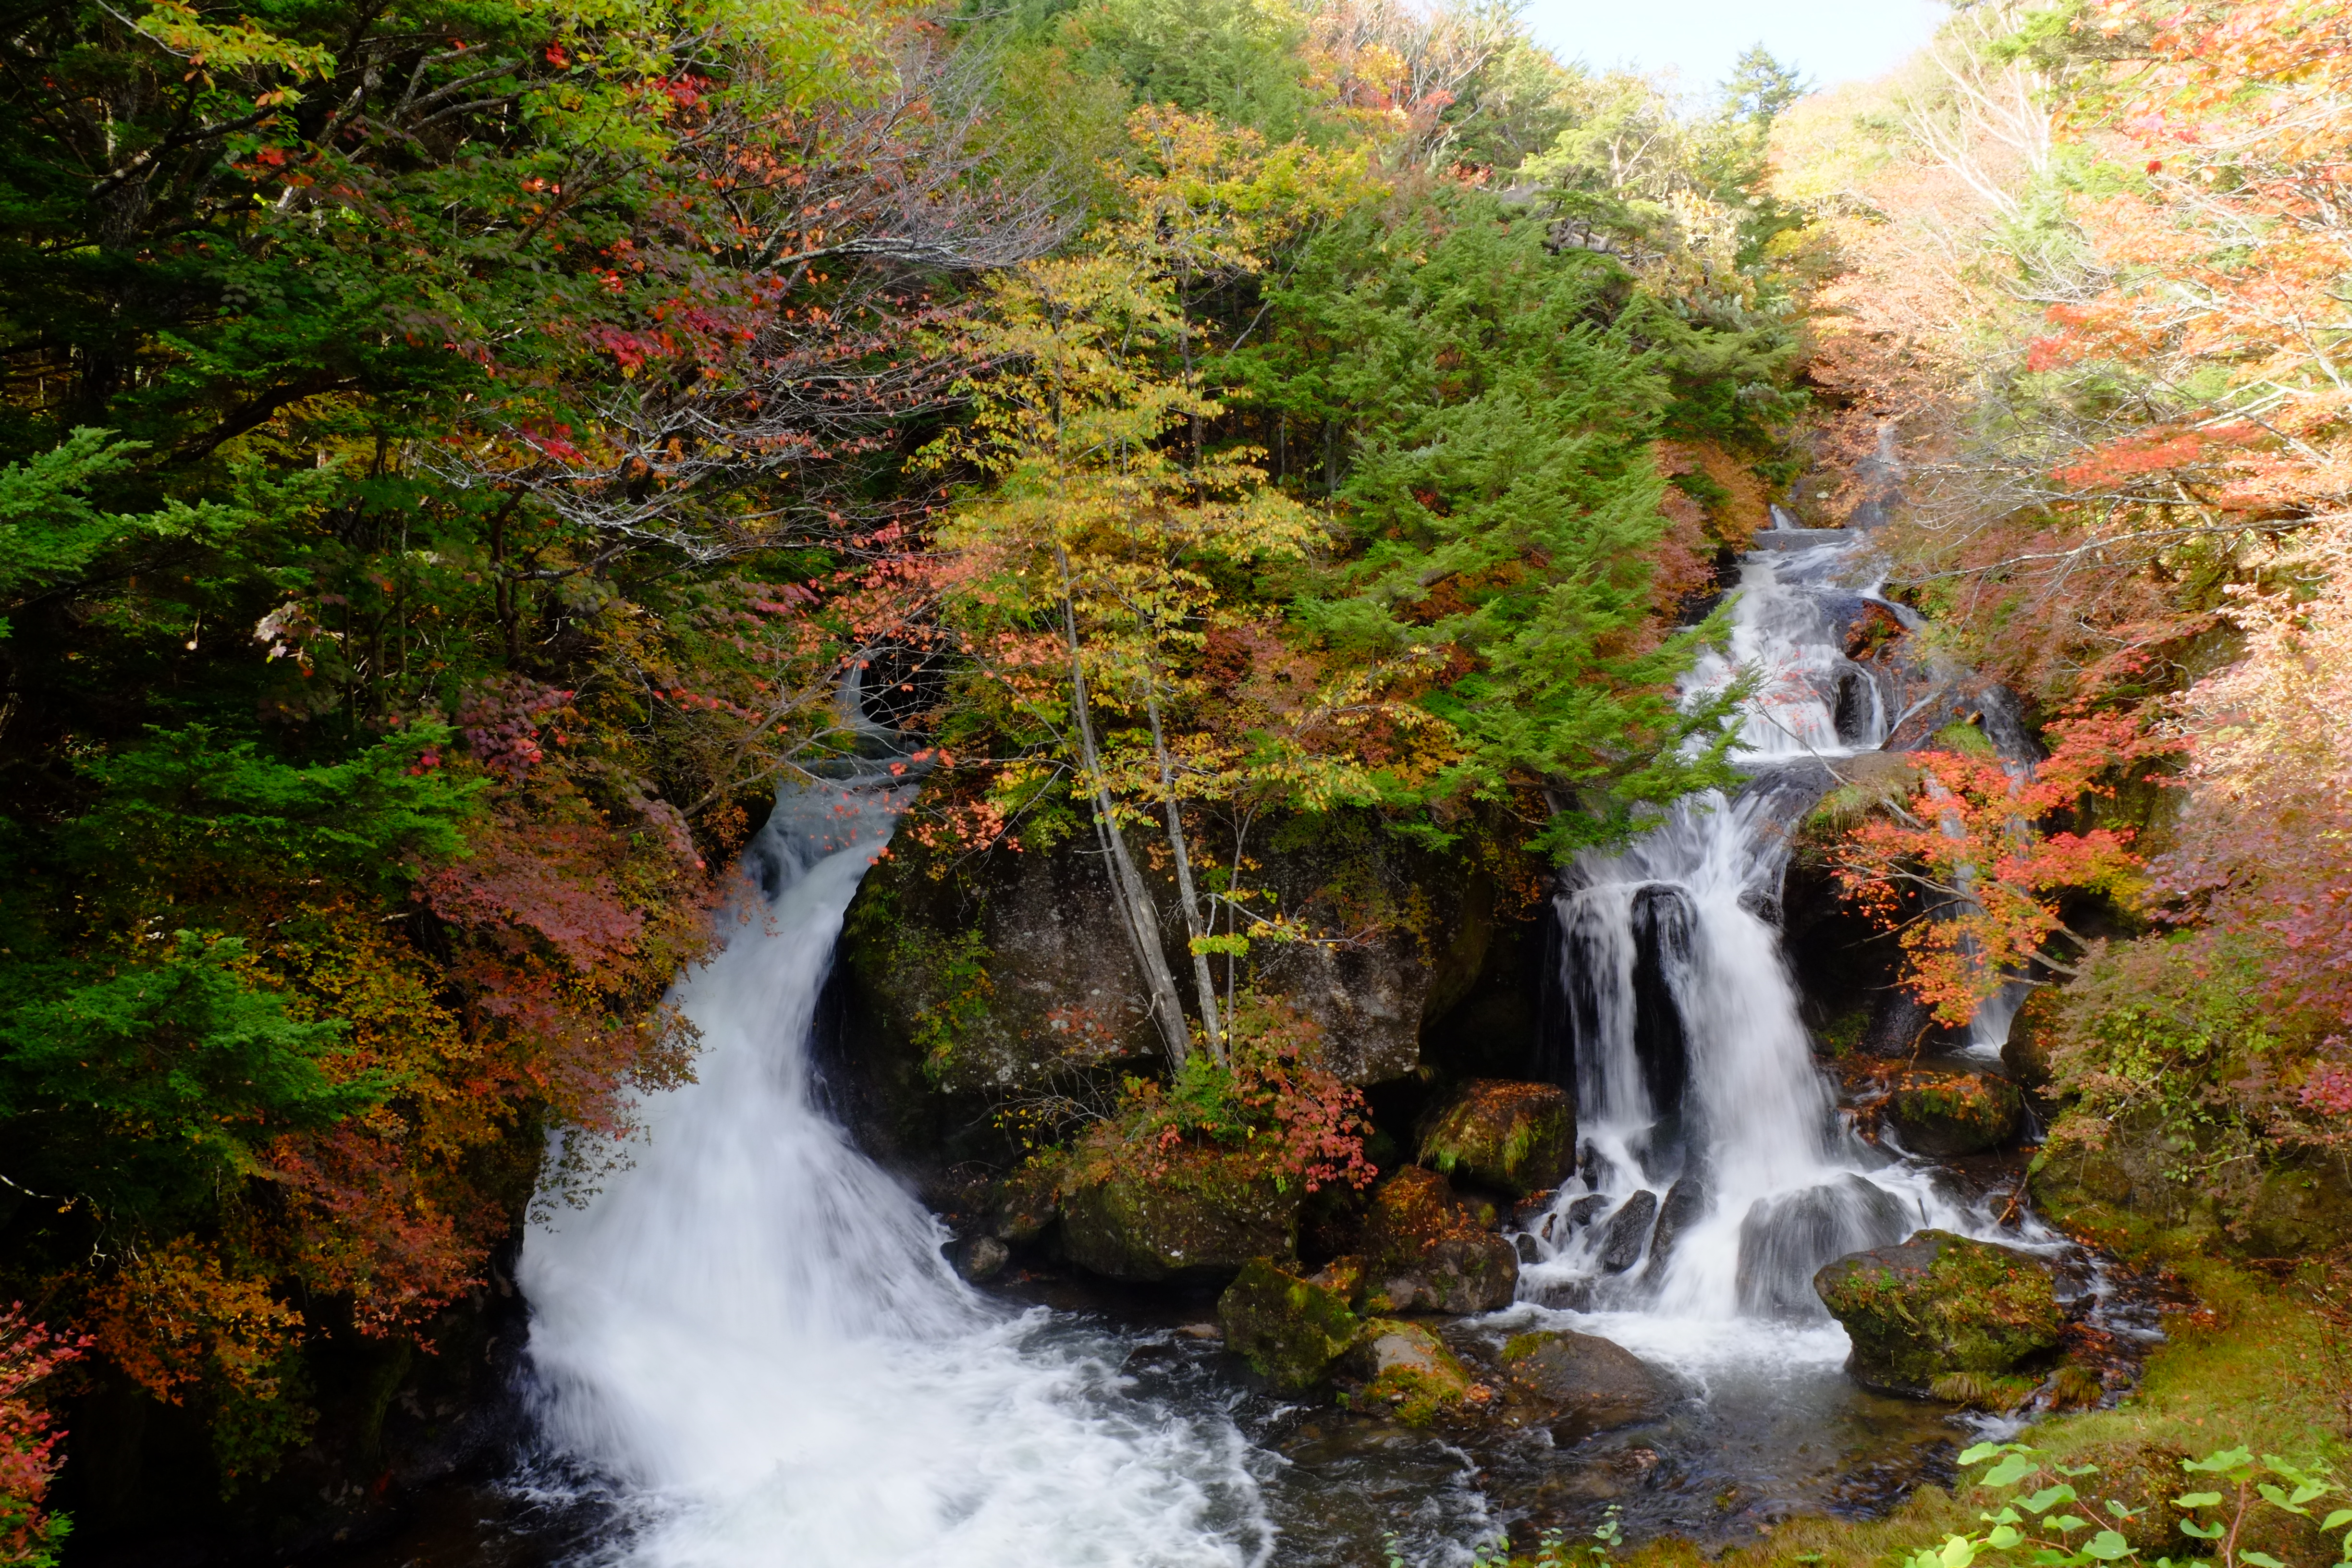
[747,1349]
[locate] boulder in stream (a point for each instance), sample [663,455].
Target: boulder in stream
[1686,1206]
[1202,1213]
[1407,1372]
[1941,1114]
[1940,1304]
[1585,1381]
[1629,1228]
[1784,1241]
[1290,1330]
[1509,1136]
[1426,1251]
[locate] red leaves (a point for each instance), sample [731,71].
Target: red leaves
[28,1458]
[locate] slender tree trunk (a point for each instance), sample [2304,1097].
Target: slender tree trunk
[1204,983]
[1137,916]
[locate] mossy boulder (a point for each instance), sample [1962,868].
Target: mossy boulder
[1406,1372]
[1512,1137]
[1593,1383]
[1291,1330]
[1427,1250]
[1940,1304]
[1941,1114]
[1191,1215]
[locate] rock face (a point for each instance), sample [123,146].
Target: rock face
[1941,1114]
[1588,1382]
[1939,1304]
[1513,1138]
[1425,1251]
[1290,1330]
[1407,1371]
[1784,1240]
[994,974]
[1629,1228]
[1204,1217]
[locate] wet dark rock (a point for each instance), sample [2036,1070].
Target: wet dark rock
[1587,1209]
[1784,1241]
[1901,1026]
[1584,1380]
[1289,1328]
[1686,1204]
[1560,1295]
[1201,1215]
[1940,1304]
[1628,1229]
[1512,1137]
[1426,1251]
[1027,1201]
[1662,923]
[1943,1114]
[981,1256]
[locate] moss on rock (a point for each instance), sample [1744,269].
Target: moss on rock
[1291,1330]
[1512,1137]
[1426,1251]
[1407,1371]
[1592,1382]
[1940,1304]
[1193,1214]
[1941,1114]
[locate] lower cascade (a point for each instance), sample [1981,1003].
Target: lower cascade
[751,1340]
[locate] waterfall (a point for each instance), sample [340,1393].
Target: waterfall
[1716,1173]
[749,1340]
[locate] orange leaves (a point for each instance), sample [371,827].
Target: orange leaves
[177,1318]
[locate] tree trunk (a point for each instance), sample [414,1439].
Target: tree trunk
[1136,917]
[1204,984]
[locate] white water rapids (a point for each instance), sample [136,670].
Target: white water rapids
[751,1338]
[1699,1100]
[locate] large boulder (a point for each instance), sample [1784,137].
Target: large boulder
[1629,1232]
[1940,1304]
[1942,1114]
[1199,1214]
[1784,1240]
[1585,1381]
[1426,1251]
[1511,1137]
[1407,1372]
[1291,1330]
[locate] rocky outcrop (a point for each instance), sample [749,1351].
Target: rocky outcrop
[1940,1304]
[1943,1114]
[1200,1214]
[1511,1137]
[1288,1329]
[1406,1372]
[1426,1251]
[1582,1380]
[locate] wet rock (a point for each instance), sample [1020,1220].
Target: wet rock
[1937,1304]
[1201,1215]
[2025,1054]
[1407,1372]
[1901,1026]
[981,1257]
[1784,1241]
[1941,1114]
[1591,1382]
[1686,1204]
[1509,1136]
[1027,1201]
[1426,1251]
[1628,1229]
[1662,924]
[1587,1209]
[1290,1330]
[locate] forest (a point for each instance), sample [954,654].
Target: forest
[459,459]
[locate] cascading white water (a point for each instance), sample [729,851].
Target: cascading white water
[1699,1100]
[752,1337]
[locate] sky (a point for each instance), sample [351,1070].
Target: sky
[1830,40]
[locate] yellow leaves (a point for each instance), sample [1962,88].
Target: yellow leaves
[175,1318]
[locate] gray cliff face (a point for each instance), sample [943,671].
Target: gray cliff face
[1002,973]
